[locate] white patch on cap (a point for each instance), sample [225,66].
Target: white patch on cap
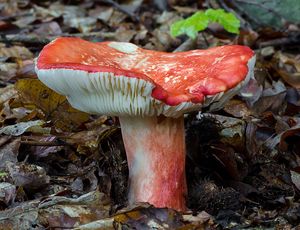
[124,47]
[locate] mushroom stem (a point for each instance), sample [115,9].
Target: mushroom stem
[155,149]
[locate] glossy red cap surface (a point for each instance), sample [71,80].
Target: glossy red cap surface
[177,77]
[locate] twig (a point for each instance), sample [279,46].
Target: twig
[293,40]
[186,45]
[43,143]
[35,39]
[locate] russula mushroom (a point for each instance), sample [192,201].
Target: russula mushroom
[149,91]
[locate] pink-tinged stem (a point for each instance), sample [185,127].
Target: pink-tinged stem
[155,149]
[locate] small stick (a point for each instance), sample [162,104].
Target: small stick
[43,143]
[35,39]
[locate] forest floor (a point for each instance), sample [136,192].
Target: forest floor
[64,169]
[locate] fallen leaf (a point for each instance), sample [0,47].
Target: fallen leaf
[9,149]
[83,24]
[72,212]
[44,151]
[7,193]
[288,68]
[28,176]
[20,128]
[7,71]
[295,179]
[49,28]
[15,52]
[55,106]
[101,12]
[6,93]
[237,108]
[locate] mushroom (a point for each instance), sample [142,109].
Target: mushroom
[150,92]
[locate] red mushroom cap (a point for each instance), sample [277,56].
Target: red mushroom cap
[176,77]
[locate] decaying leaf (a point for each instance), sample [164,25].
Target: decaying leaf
[7,193]
[296,179]
[20,128]
[89,140]
[33,91]
[289,68]
[62,212]
[9,149]
[55,106]
[28,176]
[232,131]
[15,51]
[243,169]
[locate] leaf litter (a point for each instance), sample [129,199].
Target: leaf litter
[61,168]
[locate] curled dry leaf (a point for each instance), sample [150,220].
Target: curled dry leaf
[280,138]
[272,99]
[251,92]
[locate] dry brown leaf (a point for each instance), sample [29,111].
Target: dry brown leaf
[88,141]
[15,51]
[55,106]
[33,91]
[237,108]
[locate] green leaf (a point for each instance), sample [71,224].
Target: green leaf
[227,20]
[214,14]
[190,26]
[197,22]
[200,20]
[177,28]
